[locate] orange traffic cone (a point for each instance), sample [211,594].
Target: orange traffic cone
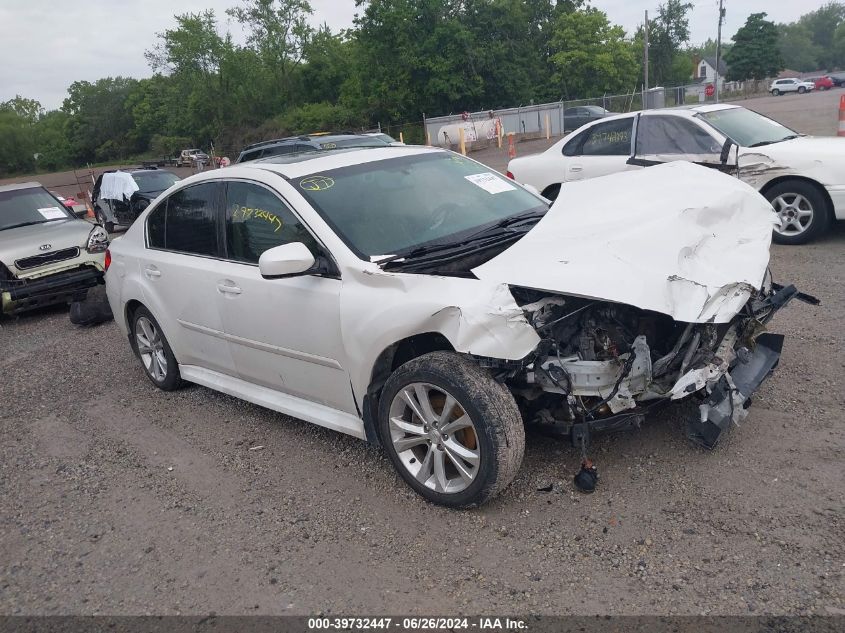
[841,116]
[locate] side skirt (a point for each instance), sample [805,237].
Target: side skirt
[283,403]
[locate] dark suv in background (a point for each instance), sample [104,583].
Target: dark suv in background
[122,210]
[308,143]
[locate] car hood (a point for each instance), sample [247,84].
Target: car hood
[25,241]
[678,239]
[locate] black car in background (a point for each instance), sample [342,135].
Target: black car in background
[573,118]
[838,79]
[308,143]
[121,210]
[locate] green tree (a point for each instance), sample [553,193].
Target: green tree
[668,32]
[839,46]
[755,53]
[415,56]
[822,25]
[16,143]
[195,57]
[799,52]
[591,57]
[51,140]
[329,60]
[278,31]
[98,123]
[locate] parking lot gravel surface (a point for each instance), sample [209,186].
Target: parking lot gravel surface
[117,498]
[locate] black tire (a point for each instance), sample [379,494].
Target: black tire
[498,428]
[801,90]
[171,379]
[775,92]
[551,192]
[820,218]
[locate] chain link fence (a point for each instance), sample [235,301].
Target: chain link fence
[480,129]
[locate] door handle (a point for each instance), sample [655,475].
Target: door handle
[152,271]
[575,168]
[228,288]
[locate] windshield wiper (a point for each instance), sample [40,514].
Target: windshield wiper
[486,236]
[780,140]
[476,243]
[513,220]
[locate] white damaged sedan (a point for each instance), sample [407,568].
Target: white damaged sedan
[410,297]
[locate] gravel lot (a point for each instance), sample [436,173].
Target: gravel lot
[117,498]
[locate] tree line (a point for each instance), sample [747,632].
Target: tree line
[400,60]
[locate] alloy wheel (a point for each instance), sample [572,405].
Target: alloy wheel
[795,213]
[434,438]
[151,348]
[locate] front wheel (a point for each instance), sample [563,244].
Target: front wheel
[801,209]
[801,90]
[454,434]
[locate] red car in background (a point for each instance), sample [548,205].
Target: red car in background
[824,83]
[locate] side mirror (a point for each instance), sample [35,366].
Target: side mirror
[726,151]
[285,260]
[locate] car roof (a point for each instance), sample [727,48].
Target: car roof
[684,110]
[21,185]
[296,166]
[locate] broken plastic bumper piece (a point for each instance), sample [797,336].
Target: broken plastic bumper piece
[729,399]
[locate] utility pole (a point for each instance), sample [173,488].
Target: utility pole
[719,46]
[645,63]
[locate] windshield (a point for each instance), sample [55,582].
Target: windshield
[390,206]
[154,180]
[22,207]
[746,127]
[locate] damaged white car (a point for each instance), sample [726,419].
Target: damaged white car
[802,176]
[411,297]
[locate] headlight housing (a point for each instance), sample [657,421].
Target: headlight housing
[98,240]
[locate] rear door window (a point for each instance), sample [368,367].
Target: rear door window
[611,138]
[187,221]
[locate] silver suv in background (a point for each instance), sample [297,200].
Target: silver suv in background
[47,255]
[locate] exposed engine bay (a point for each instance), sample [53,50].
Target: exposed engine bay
[603,365]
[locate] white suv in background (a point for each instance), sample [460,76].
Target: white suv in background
[782,86]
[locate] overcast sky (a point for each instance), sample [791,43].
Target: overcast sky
[45,45]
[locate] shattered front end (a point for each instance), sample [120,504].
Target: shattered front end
[602,366]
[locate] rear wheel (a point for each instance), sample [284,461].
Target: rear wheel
[775,92]
[802,211]
[154,351]
[454,434]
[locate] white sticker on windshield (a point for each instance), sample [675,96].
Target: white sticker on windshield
[52,213]
[490,182]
